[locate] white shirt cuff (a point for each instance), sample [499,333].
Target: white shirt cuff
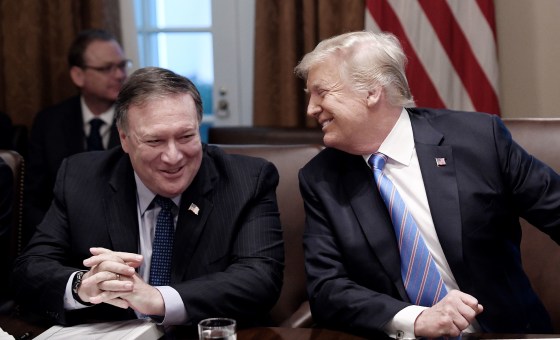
[175,311]
[403,322]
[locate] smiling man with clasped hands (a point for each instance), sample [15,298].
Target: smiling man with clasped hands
[165,227]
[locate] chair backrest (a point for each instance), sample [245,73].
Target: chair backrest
[264,135]
[292,308]
[16,162]
[540,254]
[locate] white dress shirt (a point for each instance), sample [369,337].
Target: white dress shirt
[107,117]
[403,169]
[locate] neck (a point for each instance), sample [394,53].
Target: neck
[97,106]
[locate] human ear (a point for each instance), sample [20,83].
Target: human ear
[77,75]
[374,96]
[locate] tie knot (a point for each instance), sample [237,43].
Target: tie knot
[96,123]
[377,161]
[164,202]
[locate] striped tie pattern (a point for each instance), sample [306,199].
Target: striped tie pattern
[421,278]
[162,248]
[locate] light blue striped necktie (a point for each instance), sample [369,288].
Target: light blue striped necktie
[421,278]
[162,248]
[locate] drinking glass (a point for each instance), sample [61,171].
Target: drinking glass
[217,329]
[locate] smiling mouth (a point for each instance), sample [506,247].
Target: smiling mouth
[172,171]
[325,123]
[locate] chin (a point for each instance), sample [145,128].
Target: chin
[330,141]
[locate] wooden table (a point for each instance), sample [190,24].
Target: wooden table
[18,327]
[277,333]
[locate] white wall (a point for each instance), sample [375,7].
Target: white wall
[529,57]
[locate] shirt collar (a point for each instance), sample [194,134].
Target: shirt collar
[146,196]
[399,144]
[87,115]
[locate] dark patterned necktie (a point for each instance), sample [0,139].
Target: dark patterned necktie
[162,248]
[94,141]
[420,275]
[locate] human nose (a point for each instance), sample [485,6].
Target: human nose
[119,72]
[171,154]
[314,108]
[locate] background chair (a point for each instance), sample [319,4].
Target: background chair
[539,253]
[264,135]
[16,162]
[292,308]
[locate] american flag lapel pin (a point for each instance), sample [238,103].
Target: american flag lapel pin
[440,161]
[194,208]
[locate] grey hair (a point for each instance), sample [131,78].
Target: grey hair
[367,60]
[153,82]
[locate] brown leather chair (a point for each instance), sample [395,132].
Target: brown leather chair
[13,240]
[540,255]
[264,135]
[16,162]
[292,308]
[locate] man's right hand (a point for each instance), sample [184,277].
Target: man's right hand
[109,271]
[449,317]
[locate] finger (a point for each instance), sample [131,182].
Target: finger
[106,296]
[110,272]
[112,257]
[99,277]
[116,286]
[118,303]
[125,256]
[467,315]
[469,300]
[99,250]
[99,258]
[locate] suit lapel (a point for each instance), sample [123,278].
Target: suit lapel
[121,207]
[440,183]
[191,222]
[373,217]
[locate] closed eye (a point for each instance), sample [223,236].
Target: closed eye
[153,142]
[186,138]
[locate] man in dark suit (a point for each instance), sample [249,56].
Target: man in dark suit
[6,132]
[463,179]
[96,248]
[98,68]
[6,204]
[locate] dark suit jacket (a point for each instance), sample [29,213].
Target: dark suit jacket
[57,133]
[227,260]
[352,259]
[6,198]
[6,132]
[6,204]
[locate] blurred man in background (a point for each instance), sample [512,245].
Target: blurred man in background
[98,67]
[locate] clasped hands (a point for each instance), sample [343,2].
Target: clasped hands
[112,279]
[449,317]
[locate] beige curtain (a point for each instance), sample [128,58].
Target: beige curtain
[34,39]
[284,31]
